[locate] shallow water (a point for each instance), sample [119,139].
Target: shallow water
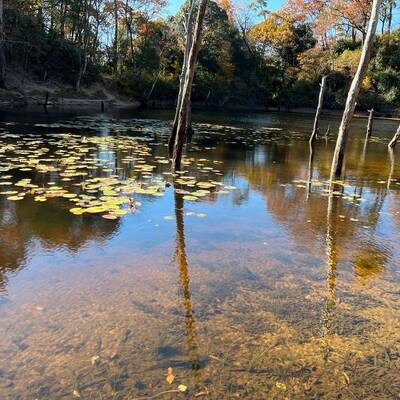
[264,288]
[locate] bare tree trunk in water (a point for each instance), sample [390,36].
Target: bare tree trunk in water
[319,109]
[338,156]
[188,45]
[2,51]
[395,138]
[370,122]
[187,86]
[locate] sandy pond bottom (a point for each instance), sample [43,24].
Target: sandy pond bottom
[273,290]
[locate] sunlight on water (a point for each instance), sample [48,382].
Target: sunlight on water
[244,275]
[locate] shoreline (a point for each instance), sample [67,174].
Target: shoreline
[12,101]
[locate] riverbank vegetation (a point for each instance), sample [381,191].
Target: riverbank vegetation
[249,56]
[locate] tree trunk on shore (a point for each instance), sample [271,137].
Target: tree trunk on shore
[319,109]
[338,157]
[115,49]
[188,44]
[182,122]
[370,122]
[395,138]
[84,55]
[2,50]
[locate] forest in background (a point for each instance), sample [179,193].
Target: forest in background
[250,56]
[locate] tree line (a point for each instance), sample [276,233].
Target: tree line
[248,56]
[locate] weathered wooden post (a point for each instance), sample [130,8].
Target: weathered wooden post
[319,109]
[102,106]
[338,156]
[370,122]
[395,138]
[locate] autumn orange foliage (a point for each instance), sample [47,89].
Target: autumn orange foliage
[332,14]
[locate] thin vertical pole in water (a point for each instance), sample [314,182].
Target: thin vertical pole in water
[395,138]
[338,156]
[319,109]
[370,122]
[310,169]
[391,157]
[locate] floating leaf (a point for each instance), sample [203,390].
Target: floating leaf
[201,215]
[109,216]
[191,198]
[77,211]
[120,212]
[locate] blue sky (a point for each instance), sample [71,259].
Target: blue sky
[174,5]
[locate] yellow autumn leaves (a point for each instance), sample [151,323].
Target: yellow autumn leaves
[170,379]
[98,175]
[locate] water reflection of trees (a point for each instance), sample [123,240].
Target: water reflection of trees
[51,224]
[181,258]
[353,224]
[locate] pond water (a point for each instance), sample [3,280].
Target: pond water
[242,274]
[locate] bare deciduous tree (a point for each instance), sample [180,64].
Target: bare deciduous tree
[337,162]
[183,106]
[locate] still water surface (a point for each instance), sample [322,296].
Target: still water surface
[265,287]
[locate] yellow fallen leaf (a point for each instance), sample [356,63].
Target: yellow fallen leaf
[95,360]
[182,388]
[280,385]
[76,393]
[170,376]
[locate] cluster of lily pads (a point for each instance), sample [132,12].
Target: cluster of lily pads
[97,175]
